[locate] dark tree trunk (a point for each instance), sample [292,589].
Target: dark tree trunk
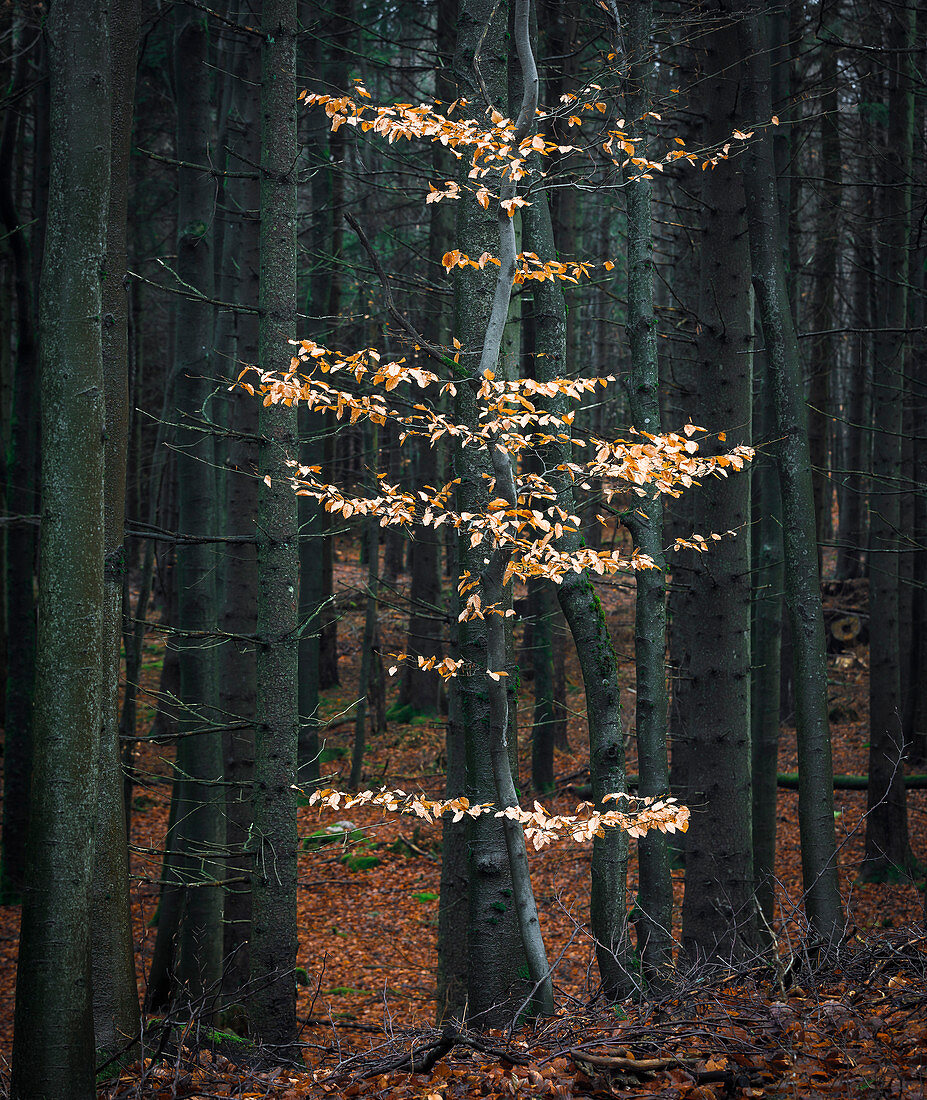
[200,817]
[802,580]
[272,1004]
[115,992]
[598,662]
[887,844]
[824,284]
[239,274]
[53,1051]
[21,499]
[718,914]
[765,639]
[654,922]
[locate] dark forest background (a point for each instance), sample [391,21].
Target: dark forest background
[170,214]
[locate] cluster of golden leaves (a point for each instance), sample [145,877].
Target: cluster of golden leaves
[637,816]
[492,148]
[528,267]
[446,667]
[512,416]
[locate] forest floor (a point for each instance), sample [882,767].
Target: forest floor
[368,930]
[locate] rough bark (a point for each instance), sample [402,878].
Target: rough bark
[453,906]
[369,643]
[20,499]
[272,1005]
[887,844]
[823,351]
[200,820]
[115,992]
[718,911]
[598,662]
[802,580]
[654,906]
[765,639]
[238,613]
[53,1051]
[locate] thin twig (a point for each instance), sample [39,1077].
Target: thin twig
[435,352]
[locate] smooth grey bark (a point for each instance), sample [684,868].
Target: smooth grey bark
[495,956]
[53,1051]
[498,637]
[115,991]
[272,1004]
[598,662]
[802,580]
[198,769]
[654,906]
[492,652]
[887,843]
[20,499]
[718,914]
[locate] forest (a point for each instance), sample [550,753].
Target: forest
[464,548]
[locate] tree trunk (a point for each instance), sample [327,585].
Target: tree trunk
[495,956]
[21,499]
[115,991]
[239,276]
[598,662]
[53,1053]
[369,643]
[453,905]
[654,906]
[272,1007]
[718,917]
[802,580]
[823,289]
[887,844]
[765,640]
[200,819]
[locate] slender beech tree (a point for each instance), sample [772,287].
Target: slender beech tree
[887,844]
[718,913]
[654,907]
[272,1007]
[53,1048]
[802,579]
[495,955]
[115,990]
